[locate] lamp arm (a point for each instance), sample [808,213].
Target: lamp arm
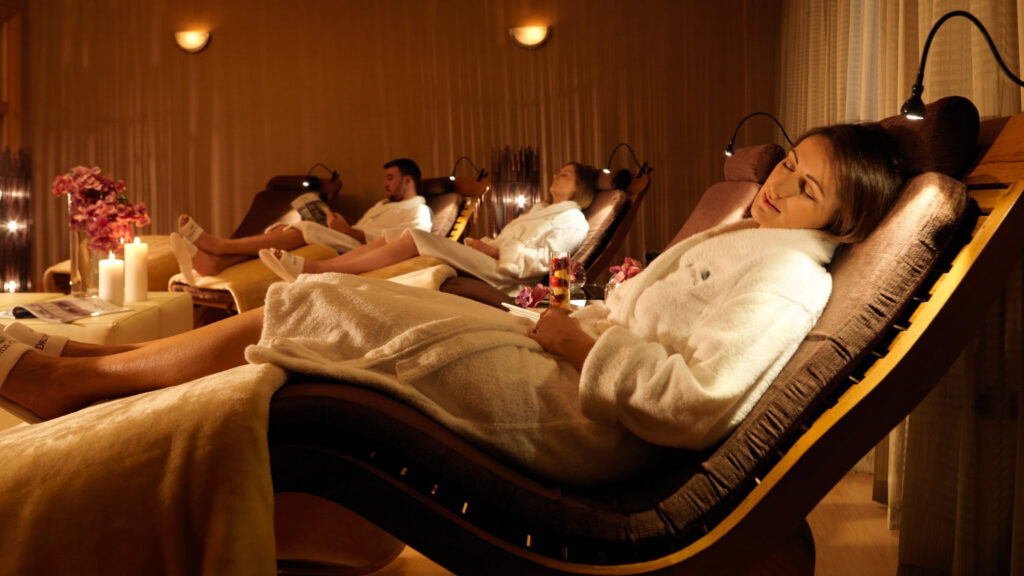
[984,32]
[480,173]
[644,168]
[732,141]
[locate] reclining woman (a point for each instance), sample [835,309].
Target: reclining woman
[520,255]
[402,207]
[675,357]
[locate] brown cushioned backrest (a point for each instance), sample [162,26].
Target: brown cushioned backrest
[603,214]
[445,209]
[730,200]
[753,163]
[943,141]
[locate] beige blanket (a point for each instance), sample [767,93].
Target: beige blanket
[175,481]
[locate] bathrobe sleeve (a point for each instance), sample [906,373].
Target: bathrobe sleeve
[693,396]
[529,253]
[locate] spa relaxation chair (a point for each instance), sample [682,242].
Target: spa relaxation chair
[904,303]
[243,286]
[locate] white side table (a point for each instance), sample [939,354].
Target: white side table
[163,314]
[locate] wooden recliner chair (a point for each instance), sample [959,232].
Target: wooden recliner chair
[904,302]
[453,203]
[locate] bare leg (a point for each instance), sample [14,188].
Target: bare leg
[365,258]
[282,239]
[51,387]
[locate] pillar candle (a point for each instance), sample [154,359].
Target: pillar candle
[136,271]
[112,280]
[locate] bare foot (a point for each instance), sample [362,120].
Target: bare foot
[34,383]
[209,264]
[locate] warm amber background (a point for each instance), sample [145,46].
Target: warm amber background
[353,83]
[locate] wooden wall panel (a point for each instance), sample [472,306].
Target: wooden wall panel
[352,84]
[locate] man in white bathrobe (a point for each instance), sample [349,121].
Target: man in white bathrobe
[401,208]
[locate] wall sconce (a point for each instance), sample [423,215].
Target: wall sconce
[729,149]
[644,168]
[529,37]
[480,172]
[192,41]
[913,108]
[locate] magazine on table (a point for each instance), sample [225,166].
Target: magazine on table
[311,207]
[63,310]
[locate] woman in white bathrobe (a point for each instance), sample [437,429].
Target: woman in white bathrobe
[520,255]
[676,357]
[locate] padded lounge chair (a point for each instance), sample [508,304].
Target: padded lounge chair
[904,302]
[453,204]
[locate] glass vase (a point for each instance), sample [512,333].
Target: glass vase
[85,265]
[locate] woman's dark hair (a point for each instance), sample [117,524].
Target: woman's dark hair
[586,184]
[869,172]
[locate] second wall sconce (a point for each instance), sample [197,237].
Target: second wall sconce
[192,41]
[529,37]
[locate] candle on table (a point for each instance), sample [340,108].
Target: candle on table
[112,280]
[136,271]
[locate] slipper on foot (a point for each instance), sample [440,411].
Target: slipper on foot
[49,344]
[10,352]
[184,250]
[286,265]
[189,230]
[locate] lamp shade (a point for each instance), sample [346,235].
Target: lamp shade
[192,41]
[530,37]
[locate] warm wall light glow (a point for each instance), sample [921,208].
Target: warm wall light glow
[12,226]
[11,286]
[192,41]
[531,37]
[521,201]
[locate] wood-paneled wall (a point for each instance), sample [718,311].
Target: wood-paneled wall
[350,83]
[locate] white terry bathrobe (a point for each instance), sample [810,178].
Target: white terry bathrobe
[382,218]
[525,246]
[683,351]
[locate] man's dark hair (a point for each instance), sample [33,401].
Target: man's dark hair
[406,167]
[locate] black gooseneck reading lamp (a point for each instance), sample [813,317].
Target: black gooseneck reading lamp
[913,108]
[729,149]
[643,168]
[312,182]
[480,172]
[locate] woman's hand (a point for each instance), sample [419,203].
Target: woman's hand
[561,334]
[484,247]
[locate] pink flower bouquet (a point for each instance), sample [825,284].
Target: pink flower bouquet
[628,269]
[99,207]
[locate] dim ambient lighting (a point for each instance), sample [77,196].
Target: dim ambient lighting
[529,37]
[913,108]
[192,41]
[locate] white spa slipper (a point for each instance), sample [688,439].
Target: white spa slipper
[286,265]
[49,344]
[184,250]
[189,230]
[10,352]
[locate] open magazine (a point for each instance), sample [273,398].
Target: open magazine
[311,207]
[66,309]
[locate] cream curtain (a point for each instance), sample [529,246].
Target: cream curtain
[956,465]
